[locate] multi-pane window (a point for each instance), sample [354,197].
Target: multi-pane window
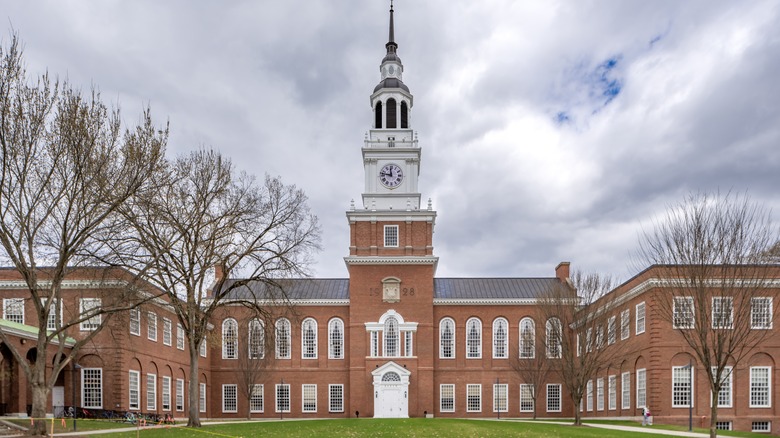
[202,347]
[625,321]
[391,236]
[92,388]
[256,345]
[167,329]
[682,386]
[640,318]
[641,388]
[256,399]
[135,322]
[90,309]
[589,340]
[309,394]
[611,331]
[599,337]
[202,397]
[500,397]
[500,339]
[527,338]
[612,391]
[391,336]
[166,393]
[761,426]
[447,339]
[283,397]
[180,395]
[760,393]
[374,344]
[553,397]
[600,394]
[336,398]
[447,397]
[309,339]
[179,337]
[724,396]
[553,329]
[722,312]
[151,326]
[336,339]
[682,313]
[151,392]
[229,339]
[761,312]
[473,398]
[589,394]
[473,338]
[283,342]
[723,425]
[13,310]
[134,387]
[408,343]
[526,397]
[625,390]
[229,398]
[55,313]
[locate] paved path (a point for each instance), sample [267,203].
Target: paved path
[630,429]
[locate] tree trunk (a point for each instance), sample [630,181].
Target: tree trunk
[577,414]
[193,419]
[714,416]
[40,395]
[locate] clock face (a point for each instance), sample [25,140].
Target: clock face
[391,175]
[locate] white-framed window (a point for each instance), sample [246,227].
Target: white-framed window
[500,339]
[309,339]
[473,397]
[336,398]
[151,392]
[625,321]
[611,330]
[625,390]
[526,397]
[589,340]
[202,397]
[761,426]
[553,397]
[553,329]
[761,313]
[391,337]
[640,318]
[408,343]
[500,397]
[527,338]
[447,339]
[151,326]
[55,313]
[134,389]
[229,398]
[760,387]
[92,388]
[723,425]
[600,394]
[336,340]
[641,388]
[166,393]
[283,344]
[599,337]
[724,396]
[229,339]
[13,310]
[179,336]
[473,338]
[447,397]
[589,395]
[283,397]
[391,236]
[180,395]
[167,329]
[90,308]
[682,386]
[309,398]
[256,347]
[374,343]
[135,322]
[202,347]
[722,312]
[682,313]
[612,392]
[256,404]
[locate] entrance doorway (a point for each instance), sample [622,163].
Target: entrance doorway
[391,391]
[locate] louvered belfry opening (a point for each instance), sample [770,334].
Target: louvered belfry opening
[391,109]
[378,116]
[404,116]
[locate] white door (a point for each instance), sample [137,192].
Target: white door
[58,400]
[391,402]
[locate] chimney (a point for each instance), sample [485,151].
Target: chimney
[562,271]
[219,273]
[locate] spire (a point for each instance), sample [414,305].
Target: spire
[391,45]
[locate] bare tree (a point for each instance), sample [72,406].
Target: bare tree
[66,167]
[532,364]
[252,364]
[713,248]
[207,223]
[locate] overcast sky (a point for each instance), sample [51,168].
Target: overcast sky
[550,131]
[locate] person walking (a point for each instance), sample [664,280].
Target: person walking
[646,416]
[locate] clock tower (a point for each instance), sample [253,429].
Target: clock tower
[391,263]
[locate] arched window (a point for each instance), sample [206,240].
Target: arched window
[256,339]
[527,338]
[391,376]
[473,338]
[282,339]
[391,337]
[404,115]
[500,338]
[553,338]
[447,339]
[378,116]
[229,339]
[391,111]
[309,338]
[336,339]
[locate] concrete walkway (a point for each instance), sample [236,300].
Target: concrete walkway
[640,429]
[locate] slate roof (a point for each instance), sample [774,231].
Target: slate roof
[296,289]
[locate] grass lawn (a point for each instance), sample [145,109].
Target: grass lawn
[81,424]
